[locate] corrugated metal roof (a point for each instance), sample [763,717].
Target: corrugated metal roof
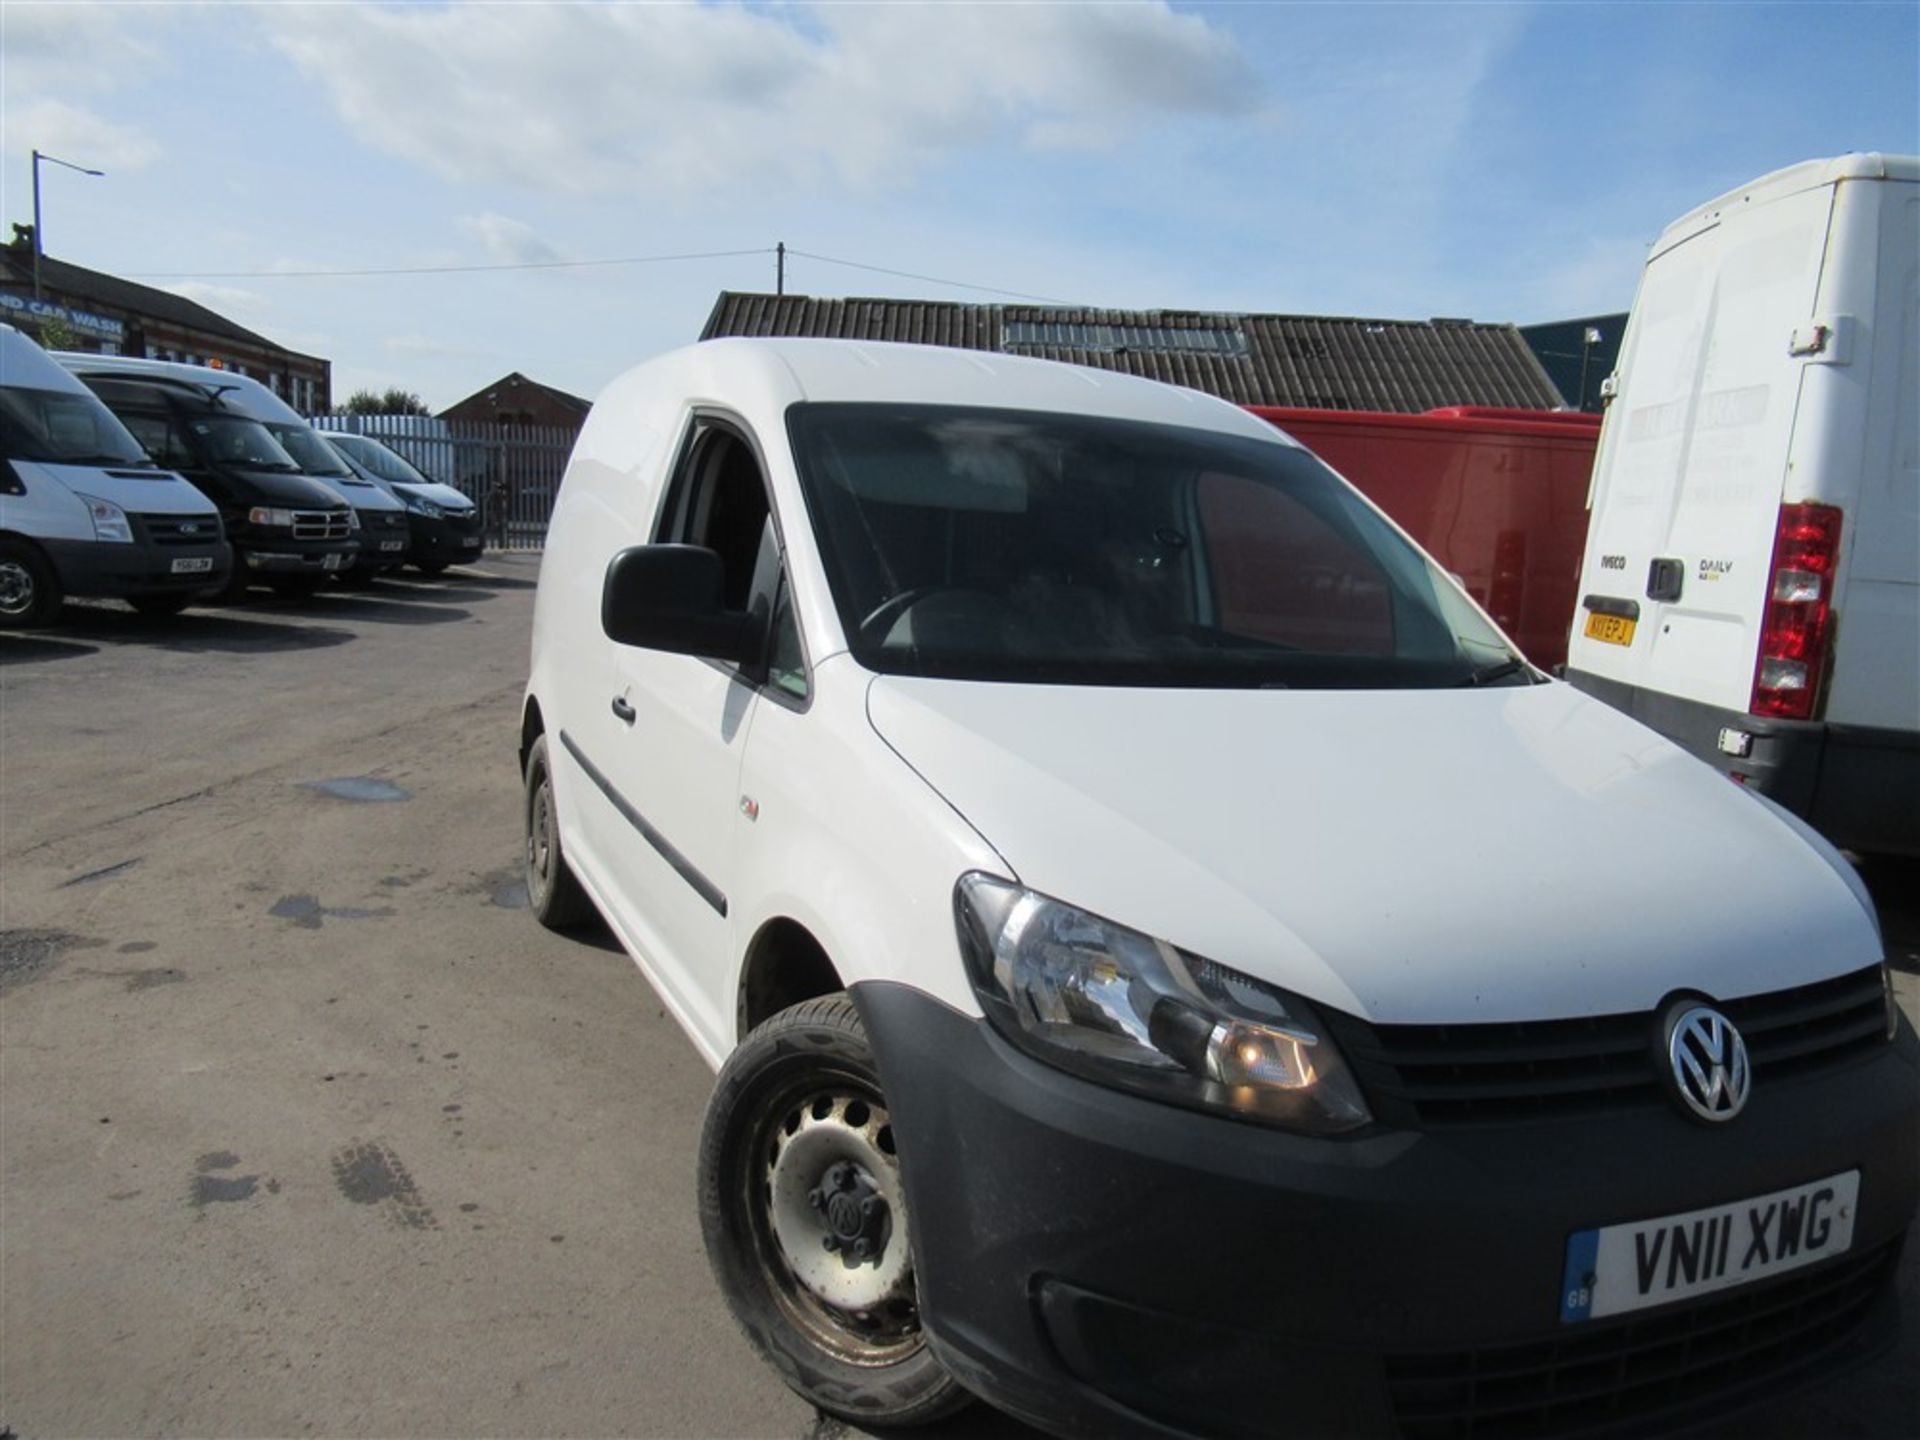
[1319,361]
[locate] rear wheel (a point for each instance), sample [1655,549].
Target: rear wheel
[555,897]
[160,604]
[805,1219]
[29,590]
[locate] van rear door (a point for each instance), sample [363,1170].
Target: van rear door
[1694,452]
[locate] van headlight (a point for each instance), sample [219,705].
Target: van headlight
[420,506]
[109,520]
[1125,1009]
[271,515]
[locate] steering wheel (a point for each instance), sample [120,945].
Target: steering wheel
[881,618]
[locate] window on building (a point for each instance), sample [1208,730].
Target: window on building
[1119,339]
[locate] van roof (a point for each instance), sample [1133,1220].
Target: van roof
[24,363]
[782,371]
[239,392]
[1791,180]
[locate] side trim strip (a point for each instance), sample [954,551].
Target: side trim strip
[683,867]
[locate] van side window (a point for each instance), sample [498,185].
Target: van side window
[718,499]
[159,437]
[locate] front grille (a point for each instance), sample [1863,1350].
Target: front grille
[1635,1373]
[1435,1075]
[179,529]
[321,524]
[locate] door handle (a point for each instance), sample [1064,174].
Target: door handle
[623,710]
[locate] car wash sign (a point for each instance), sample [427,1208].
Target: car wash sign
[24,307]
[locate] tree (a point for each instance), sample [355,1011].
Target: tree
[394,401]
[56,334]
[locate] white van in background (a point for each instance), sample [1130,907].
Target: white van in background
[1751,583]
[83,511]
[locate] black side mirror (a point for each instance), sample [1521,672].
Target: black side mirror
[668,597]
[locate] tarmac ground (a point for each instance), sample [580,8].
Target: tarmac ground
[306,1127]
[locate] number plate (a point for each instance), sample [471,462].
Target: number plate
[193,565]
[332,560]
[1612,629]
[470,541]
[1619,1268]
[393,544]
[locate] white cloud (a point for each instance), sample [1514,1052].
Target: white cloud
[509,242]
[693,98]
[50,55]
[55,127]
[428,347]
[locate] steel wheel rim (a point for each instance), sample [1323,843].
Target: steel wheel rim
[540,835]
[871,1317]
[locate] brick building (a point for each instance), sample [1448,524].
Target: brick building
[106,315]
[515,400]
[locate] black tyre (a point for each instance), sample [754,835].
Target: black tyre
[297,587]
[806,1224]
[554,896]
[160,605]
[234,591]
[29,590]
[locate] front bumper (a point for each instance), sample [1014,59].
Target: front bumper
[124,571]
[448,540]
[1099,1263]
[1857,785]
[386,540]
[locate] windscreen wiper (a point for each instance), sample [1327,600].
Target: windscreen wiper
[1488,674]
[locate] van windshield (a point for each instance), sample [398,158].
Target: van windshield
[232,440]
[63,428]
[1011,545]
[312,454]
[383,462]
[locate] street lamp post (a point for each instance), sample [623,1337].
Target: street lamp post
[37,246]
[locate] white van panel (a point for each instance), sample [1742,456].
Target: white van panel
[1876,671]
[1691,463]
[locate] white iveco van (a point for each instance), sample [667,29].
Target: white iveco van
[1173,967]
[83,511]
[1751,585]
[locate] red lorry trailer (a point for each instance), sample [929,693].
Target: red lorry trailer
[1497,496]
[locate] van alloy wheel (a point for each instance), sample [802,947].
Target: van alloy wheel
[29,591]
[16,589]
[805,1218]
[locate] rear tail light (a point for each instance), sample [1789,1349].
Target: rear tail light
[1799,614]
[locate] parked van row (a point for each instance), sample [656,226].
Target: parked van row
[233,489]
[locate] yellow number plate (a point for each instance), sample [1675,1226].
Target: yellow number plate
[1612,629]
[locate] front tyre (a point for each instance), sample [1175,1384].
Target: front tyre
[29,590]
[806,1222]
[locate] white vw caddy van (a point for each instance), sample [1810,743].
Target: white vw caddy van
[1171,966]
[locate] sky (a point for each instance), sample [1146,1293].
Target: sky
[1504,162]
